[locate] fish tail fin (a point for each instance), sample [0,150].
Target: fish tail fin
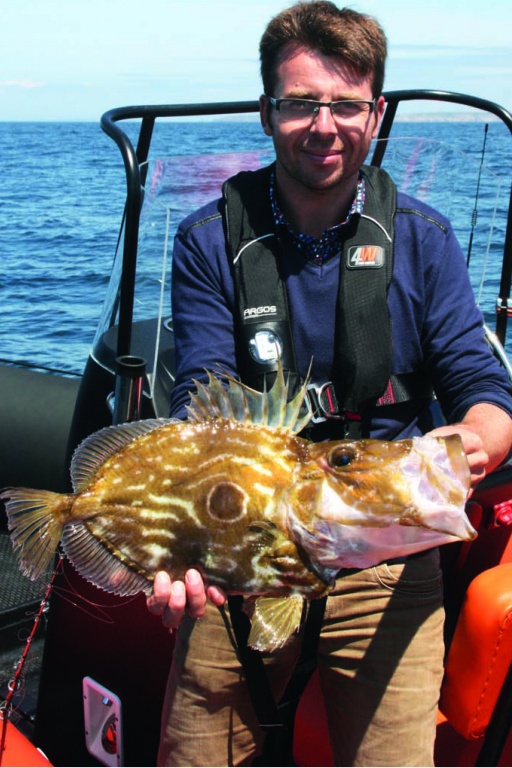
[35,521]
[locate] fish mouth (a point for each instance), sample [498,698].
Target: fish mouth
[447,520]
[334,546]
[458,458]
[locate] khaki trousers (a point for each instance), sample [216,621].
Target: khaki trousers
[380,658]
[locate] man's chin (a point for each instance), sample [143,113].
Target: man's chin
[322,182]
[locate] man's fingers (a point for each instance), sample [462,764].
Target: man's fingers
[216,596]
[170,599]
[176,605]
[157,601]
[195,594]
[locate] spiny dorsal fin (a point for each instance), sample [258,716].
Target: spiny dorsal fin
[242,404]
[98,447]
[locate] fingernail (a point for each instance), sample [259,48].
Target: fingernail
[178,588]
[193,577]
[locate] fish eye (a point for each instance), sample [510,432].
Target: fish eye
[341,457]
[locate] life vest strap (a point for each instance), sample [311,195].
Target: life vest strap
[323,404]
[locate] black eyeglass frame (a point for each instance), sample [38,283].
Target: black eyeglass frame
[276,103]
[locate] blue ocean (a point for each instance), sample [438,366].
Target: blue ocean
[62,195]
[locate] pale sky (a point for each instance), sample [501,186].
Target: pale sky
[75,59]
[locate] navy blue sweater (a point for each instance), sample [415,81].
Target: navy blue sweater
[435,322]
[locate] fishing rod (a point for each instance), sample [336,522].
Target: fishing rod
[474,216]
[15,682]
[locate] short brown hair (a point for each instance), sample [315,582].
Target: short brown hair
[322,26]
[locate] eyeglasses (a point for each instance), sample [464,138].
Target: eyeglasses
[305,110]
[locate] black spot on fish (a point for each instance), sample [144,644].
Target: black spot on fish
[227,502]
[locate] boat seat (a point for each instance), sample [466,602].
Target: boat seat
[478,661]
[482,644]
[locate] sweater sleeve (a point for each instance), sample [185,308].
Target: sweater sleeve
[202,305]
[463,367]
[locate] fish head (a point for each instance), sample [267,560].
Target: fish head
[360,502]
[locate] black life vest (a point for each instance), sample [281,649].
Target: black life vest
[361,371]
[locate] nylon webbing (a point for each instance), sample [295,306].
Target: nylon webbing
[252,662]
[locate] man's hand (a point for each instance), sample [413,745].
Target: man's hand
[171,599]
[472,443]
[486,433]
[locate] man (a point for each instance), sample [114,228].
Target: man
[380,650]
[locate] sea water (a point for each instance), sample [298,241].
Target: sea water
[62,193]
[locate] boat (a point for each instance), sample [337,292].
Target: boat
[104,660]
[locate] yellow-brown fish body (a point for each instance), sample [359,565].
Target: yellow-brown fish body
[236,493]
[201,495]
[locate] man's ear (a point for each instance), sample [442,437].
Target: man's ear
[265,110]
[379,111]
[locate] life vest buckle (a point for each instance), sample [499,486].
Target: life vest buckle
[322,402]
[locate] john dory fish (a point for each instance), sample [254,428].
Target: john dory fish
[237,494]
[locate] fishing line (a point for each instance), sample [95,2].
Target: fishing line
[94,610]
[97,611]
[474,216]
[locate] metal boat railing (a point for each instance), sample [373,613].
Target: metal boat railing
[134,159]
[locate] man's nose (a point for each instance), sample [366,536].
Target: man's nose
[324,122]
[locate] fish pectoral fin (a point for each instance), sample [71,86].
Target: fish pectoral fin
[264,532]
[273,620]
[271,539]
[274,548]
[97,564]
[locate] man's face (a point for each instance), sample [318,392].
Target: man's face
[323,152]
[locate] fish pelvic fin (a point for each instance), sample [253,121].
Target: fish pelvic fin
[241,403]
[273,620]
[35,520]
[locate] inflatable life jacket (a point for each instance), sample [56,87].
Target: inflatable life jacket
[363,338]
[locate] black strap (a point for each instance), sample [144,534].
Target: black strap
[261,297]
[312,628]
[252,663]
[268,713]
[363,336]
